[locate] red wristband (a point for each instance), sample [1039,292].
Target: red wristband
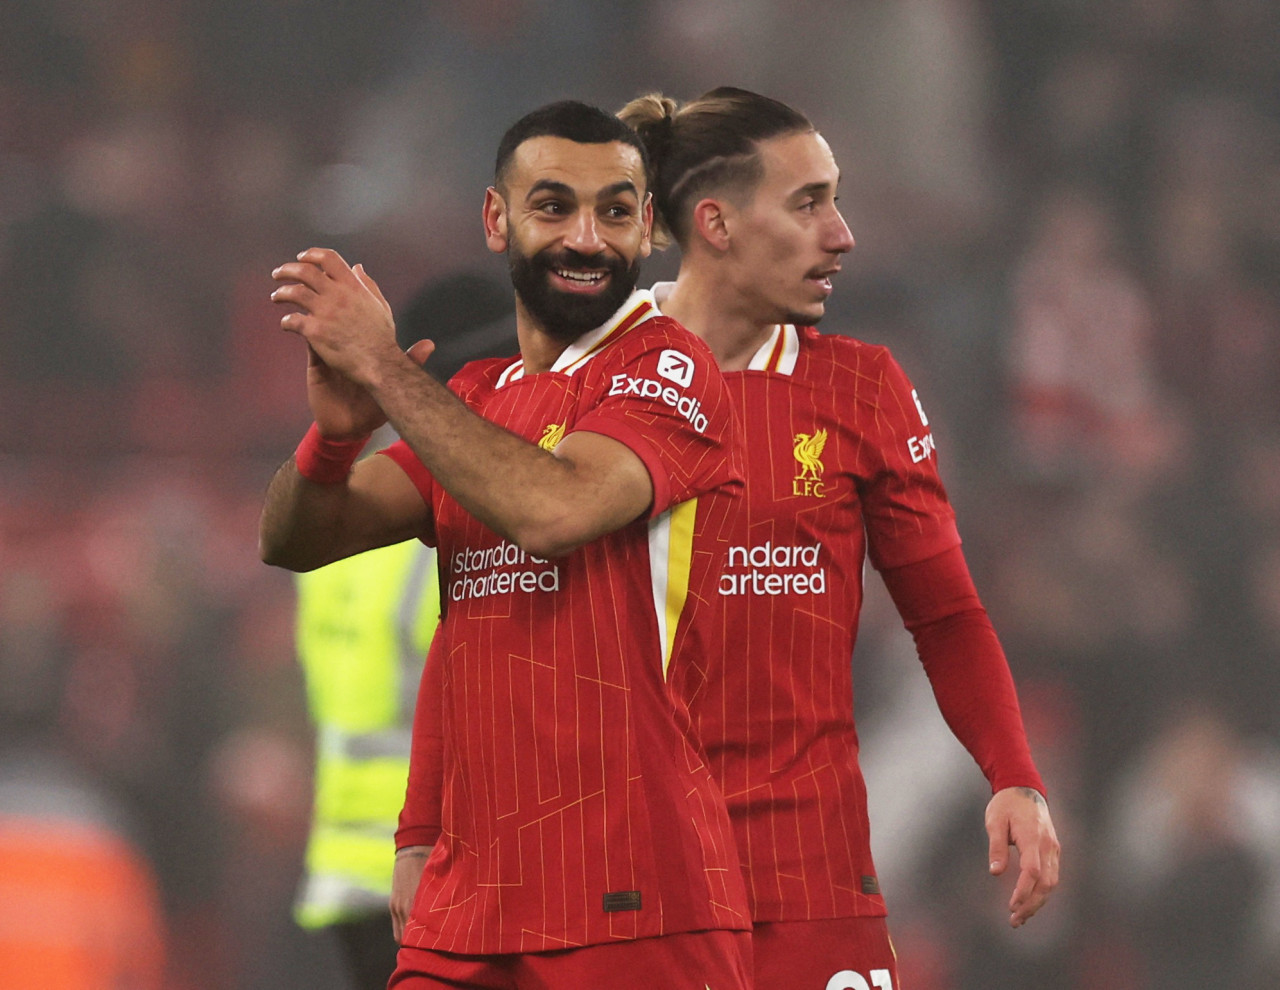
[326,462]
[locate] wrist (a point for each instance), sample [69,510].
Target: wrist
[324,461]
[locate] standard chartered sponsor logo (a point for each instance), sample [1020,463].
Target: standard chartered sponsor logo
[766,569]
[650,388]
[500,570]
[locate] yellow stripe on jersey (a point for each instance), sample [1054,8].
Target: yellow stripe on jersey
[680,555]
[776,356]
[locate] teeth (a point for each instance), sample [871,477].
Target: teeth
[579,276]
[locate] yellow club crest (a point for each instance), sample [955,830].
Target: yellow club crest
[552,434]
[808,453]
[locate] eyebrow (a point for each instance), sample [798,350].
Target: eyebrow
[617,189]
[564,189]
[814,188]
[550,185]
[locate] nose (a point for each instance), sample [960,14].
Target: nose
[583,233]
[839,236]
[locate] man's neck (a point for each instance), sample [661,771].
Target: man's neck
[734,337]
[539,350]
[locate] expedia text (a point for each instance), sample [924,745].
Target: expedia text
[649,388]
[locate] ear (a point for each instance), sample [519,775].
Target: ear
[495,221]
[711,223]
[646,216]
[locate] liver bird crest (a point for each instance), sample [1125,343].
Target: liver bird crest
[808,451]
[551,436]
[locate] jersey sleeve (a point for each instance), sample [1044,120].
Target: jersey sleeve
[401,453]
[666,401]
[907,514]
[966,665]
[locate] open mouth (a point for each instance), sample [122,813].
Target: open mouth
[822,278]
[573,280]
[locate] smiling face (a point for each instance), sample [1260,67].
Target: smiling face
[786,241]
[574,220]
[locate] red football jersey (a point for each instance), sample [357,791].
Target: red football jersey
[576,807]
[840,466]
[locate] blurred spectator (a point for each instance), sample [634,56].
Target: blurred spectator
[1192,853]
[79,904]
[1080,351]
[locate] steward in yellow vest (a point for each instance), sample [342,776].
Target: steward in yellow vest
[363,628]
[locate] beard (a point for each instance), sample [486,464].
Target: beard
[567,316]
[798,319]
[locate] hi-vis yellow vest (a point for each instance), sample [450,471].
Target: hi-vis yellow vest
[363,628]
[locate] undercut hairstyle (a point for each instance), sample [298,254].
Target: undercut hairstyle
[709,145]
[567,119]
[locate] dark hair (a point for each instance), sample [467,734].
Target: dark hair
[711,143]
[569,119]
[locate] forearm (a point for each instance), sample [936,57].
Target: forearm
[975,692]
[548,504]
[301,521]
[306,523]
[966,666]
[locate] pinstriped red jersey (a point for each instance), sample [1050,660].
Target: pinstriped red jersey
[576,807]
[840,467]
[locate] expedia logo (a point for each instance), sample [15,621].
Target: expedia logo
[650,388]
[808,453]
[551,436]
[676,367]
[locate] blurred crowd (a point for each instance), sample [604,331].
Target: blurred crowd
[1068,226]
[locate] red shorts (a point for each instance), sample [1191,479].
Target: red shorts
[719,960]
[831,954]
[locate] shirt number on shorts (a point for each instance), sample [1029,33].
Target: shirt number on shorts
[847,979]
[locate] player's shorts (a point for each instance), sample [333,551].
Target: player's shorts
[716,960]
[830,954]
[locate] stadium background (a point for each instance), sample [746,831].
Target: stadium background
[1068,225]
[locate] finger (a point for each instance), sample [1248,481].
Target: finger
[1033,885]
[1025,895]
[329,262]
[295,294]
[997,848]
[420,351]
[1047,880]
[1049,869]
[309,275]
[1034,900]
[1028,910]
[367,281]
[295,323]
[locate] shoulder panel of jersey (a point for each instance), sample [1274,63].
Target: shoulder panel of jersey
[637,309]
[901,452]
[478,377]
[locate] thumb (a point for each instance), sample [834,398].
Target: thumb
[420,351]
[997,848]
